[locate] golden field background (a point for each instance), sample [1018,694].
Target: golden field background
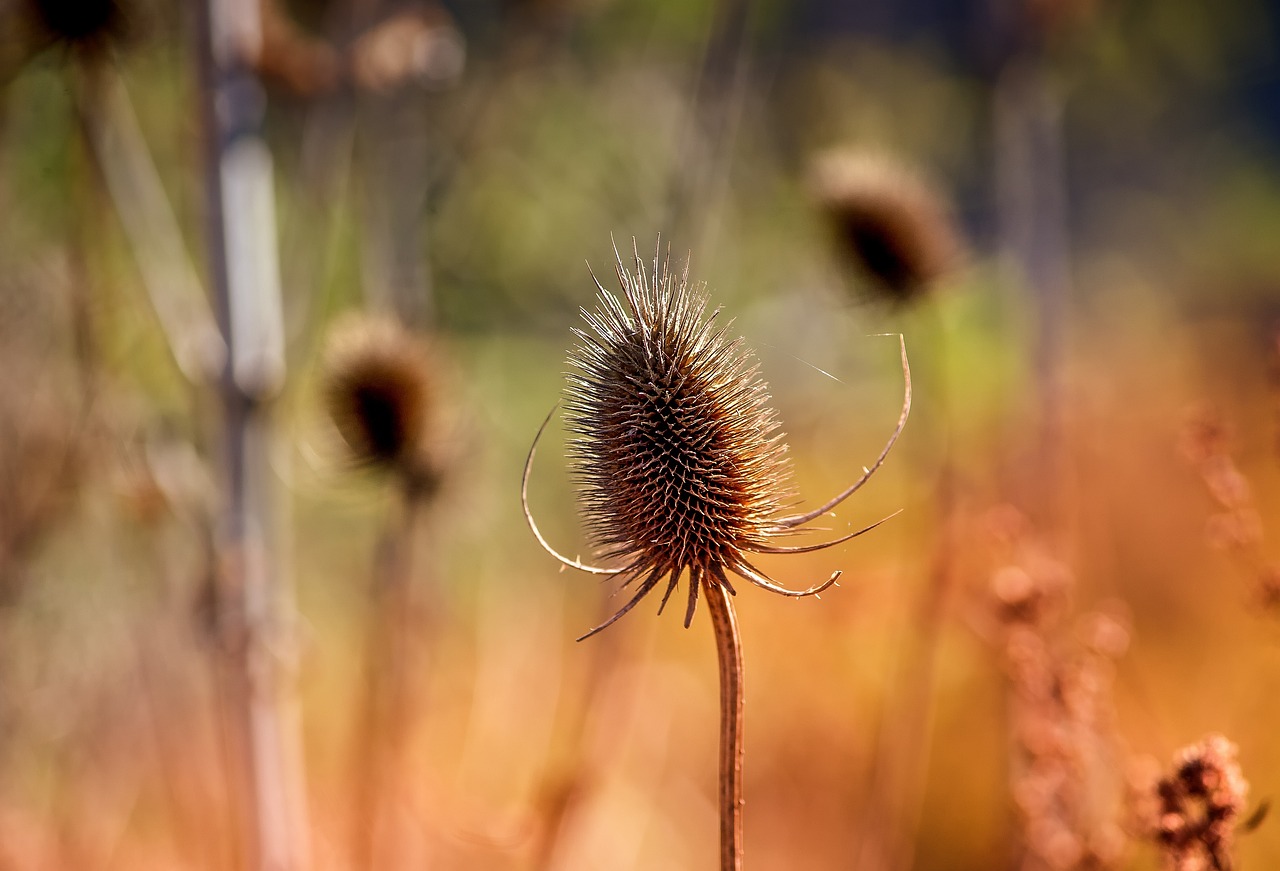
[571,123]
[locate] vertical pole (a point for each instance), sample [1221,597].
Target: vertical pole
[254,599]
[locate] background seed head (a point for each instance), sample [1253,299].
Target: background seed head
[85,25]
[679,459]
[378,391]
[888,223]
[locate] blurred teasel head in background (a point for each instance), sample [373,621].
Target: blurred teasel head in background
[85,26]
[888,224]
[379,390]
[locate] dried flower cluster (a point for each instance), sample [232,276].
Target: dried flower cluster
[678,456]
[1237,527]
[1191,812]
[1060,711]
[377,388]
[889,224]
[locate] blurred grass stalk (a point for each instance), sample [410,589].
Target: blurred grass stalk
[255,600]
[111,129]
[1031,199]
[890,824]
[389,707]
[699,179]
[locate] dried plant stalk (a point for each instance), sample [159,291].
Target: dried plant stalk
[732,703]
[386,708]
[380,392]
[682,472]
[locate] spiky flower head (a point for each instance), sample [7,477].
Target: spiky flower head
[667,410]
[889,224]
[377,388]
[678,456]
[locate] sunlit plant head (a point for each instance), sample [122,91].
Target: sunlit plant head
[378,389]
[888,224]
[678,456]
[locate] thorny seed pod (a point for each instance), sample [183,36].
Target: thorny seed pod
[888,224]
[377,388]
[679,460]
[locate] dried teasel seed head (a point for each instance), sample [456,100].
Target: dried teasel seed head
[678,457]
[377,388]
[888,223]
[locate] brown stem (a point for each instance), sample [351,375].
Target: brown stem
[729,654]
[393,622]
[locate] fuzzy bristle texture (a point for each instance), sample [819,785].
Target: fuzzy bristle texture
[377,389]
[888,223]
[678,456]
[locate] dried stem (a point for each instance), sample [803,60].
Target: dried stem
[729,654]
[891,821]
[129,174]
[565,792]
[697,187]
[387,704]
[1032,206]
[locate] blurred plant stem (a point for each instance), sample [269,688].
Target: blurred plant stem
[110,128]
[387,711]
[85,288]
[701,174]
[1031,194]
[566,790]
[394,154]
[254,600]
[891,817]
[729,656]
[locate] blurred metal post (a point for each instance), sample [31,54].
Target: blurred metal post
[254,608]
